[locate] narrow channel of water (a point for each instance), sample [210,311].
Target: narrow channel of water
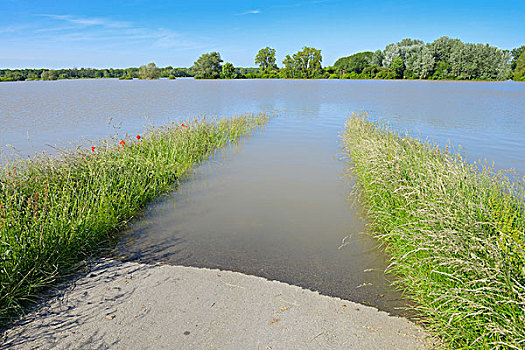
[273,209]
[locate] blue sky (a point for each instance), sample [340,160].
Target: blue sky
[108,33]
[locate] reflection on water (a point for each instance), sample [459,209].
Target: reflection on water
[278,208]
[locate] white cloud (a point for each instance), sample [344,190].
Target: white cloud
[251,12]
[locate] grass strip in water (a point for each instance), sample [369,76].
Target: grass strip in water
[455,232]
[57,210]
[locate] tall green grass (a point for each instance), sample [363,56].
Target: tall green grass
[55,211]
[455,233]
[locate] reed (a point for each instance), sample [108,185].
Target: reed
[57,210]
[455,233]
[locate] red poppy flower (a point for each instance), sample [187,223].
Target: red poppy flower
[122,142]
[183,125]
[138,137]
[93,149]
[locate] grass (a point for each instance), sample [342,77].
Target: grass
[455,232]
[57,210]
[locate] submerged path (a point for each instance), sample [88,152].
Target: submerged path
[135,306]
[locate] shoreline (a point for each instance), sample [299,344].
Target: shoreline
[192,78]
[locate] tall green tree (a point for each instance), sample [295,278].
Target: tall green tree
[288,70]
[207,66]
[266,60]
[479,61]
[377,58]
[398,67]
[228,71]
[516,53]
[149,71]
[307,63]
[304,64]
[442,47]
[441,50]
[354,63]
[404,48]
[519,72]
[419,63]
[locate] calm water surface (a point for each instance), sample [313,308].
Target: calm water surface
[275,206]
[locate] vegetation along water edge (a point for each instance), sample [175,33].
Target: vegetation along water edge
[455,232]
[57,210]
[443,59]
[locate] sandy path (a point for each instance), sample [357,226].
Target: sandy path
[134,306]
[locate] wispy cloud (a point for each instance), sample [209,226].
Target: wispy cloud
[251,12]
[102,30]
[13,29]
[64,39]
[83,21]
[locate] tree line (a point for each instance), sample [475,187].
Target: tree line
[445,58]
[305,64]
[150,71]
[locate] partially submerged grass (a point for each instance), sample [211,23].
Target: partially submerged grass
[455,232]
[55,211]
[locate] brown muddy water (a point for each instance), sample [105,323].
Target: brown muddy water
[276,205]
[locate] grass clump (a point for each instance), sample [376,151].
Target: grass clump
[455,232]
[55,211]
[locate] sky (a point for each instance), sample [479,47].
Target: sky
[118,34]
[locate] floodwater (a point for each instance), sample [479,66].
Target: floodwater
[275,205]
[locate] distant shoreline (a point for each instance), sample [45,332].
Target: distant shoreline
[192,78]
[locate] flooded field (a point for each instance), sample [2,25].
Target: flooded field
[275,206]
